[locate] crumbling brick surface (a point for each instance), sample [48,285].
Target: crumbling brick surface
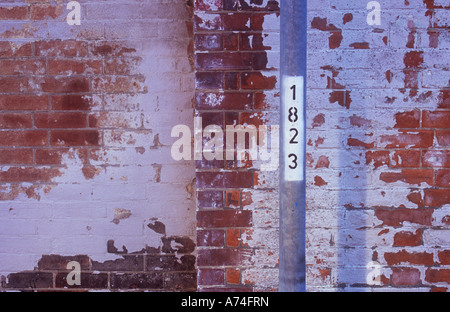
[378,122]
[237,83]
[86,113]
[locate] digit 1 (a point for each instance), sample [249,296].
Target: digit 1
[293,89]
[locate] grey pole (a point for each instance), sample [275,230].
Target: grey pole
[293,145]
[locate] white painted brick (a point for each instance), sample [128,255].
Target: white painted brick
[118,191]
[440,217]
[263,218]
[436,237]
[263,278]
[261,238]
[18,227]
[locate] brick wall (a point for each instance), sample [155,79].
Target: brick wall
[236,62]
[86,113]
[378,120]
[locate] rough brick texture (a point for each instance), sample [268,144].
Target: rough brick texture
[236,60]
[377,200]
[86,173]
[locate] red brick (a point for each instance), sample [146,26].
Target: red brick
[416,198]
[443,178]
[228,289]
[233,276]
[14,13]
[259,60]
[65,84]
[360,45]
[322,24]
[208,22]
[323,162]
[343,98]
[252,42]
[236,21]
[23,102]
[233,237]
[61,48]
[209,164]
[405,277]
[379,158]
[444,99]
[152,280]
[30,280]
[224,218]
[45,11]
[78,67]
[233,199]
[71,102]
[126,263]
[16,156]
[14,84]
[436,198]
[23,138]
[410,176]
[232,81]
[359,143]
[15,121]
[411,79]
[409,139]
[396,217]
[223,61]
[240,179]
[111,49]
[207,5]
[60,120]
[211,238]
[257,80]
[261,100]
[224,101]
[208,42]
[22,67]
[443,138]
[444,257]
[74,138]
[231,42]
[405,159]
[119,84]
[53,156]
[413,59]
[59,263]
[120,65]
[211,118]
[415,258]
[437,276]
[211,276]
[436,159]
[210,199]
[26,174]
[408,119]
[257,22]
[209,179]
[209,80]
[406,238]
[230,5]
[9,49]
[87,280]
[220,257]
[436,119]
